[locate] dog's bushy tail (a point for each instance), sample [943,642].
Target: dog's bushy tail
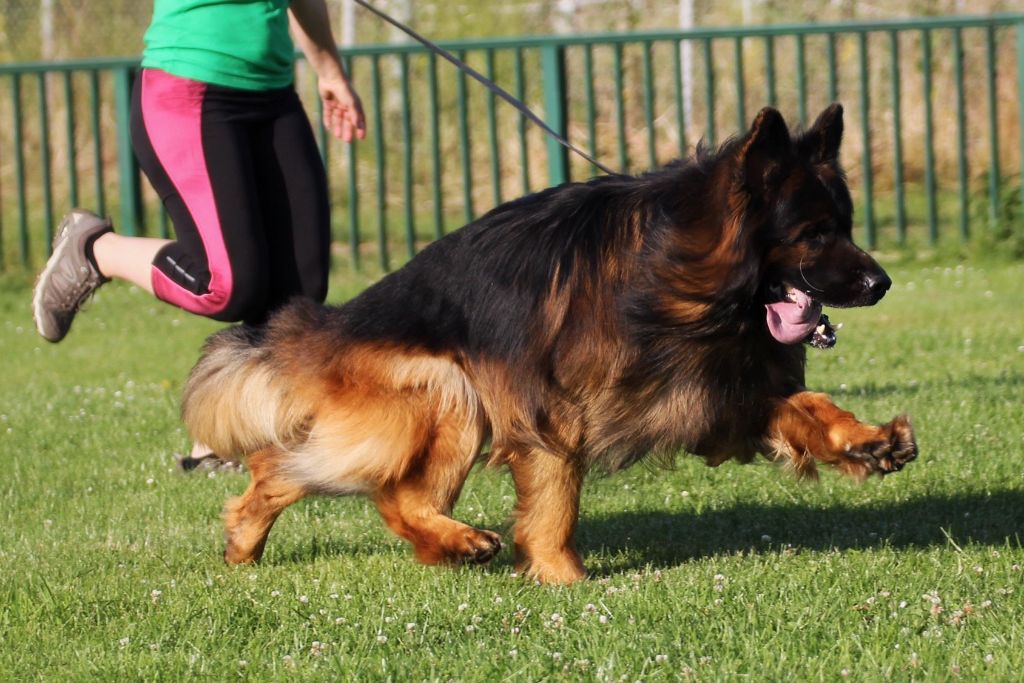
[234,401]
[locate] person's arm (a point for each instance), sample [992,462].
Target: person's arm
[343,112]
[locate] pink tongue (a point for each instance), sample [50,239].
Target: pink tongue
[791,321]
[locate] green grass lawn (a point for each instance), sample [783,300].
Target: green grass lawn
[110,559]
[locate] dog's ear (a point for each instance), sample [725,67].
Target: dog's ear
[762,150]
[820,144]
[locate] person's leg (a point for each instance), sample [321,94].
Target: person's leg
[293,186]
[212,200]
[293,211]
[193,142]
[128,258]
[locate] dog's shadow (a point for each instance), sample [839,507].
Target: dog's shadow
[632,540]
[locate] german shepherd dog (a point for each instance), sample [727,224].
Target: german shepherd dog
[584,326]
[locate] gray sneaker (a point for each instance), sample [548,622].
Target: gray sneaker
[69,279]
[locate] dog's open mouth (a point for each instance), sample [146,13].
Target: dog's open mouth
[794,317]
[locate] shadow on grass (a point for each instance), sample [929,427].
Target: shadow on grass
[665,539]
[629,541]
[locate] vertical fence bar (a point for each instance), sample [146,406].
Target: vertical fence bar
[897,137]
[465,150]
[588,93]
[19,169]
[492,131]
[44,159]
[709,90]
[801,78]
[1020,101]
[652,153]
[677,63]
[127,168]
[769,69]
[353,188]
[833,71]
[552,63]
[3,249]
[961,130]
[620,109]
[407,174]
[381,162]
[69,131]
[435,145]
[741,88]
[524,151]
[865,127]
[994,180]
[97,142]
[929,147]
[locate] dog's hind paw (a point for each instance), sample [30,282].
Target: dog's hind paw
[479,546]
[463,545]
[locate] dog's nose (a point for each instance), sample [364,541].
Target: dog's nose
[877,283]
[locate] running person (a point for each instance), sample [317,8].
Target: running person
[220,132]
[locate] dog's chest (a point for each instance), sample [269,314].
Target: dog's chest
[717,405]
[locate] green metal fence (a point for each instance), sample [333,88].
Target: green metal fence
[935,109]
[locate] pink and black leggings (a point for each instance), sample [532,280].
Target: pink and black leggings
[243,183]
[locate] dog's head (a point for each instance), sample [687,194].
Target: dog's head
[796,193]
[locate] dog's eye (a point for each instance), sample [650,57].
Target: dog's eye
[815,233]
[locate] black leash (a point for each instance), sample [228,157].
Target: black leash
[486,82]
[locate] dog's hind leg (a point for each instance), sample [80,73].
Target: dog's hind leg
[417,505]
[248,518]
[548,490]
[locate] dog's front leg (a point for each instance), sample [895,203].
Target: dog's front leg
[548,491]
[807,426]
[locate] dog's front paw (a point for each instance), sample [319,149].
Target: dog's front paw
[888,451]
[900,446]
[807,427]
[552,566]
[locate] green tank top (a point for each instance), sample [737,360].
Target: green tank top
[234,43]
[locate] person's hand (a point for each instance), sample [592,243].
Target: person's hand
[343,112]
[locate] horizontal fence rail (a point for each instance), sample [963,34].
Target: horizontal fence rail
[935,110]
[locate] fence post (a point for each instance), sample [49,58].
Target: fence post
[1020,108]
[865,127]
[127,167]
[552,60]
[19,169]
